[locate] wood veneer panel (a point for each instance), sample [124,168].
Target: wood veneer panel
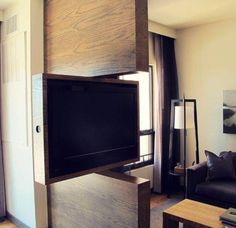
[194,214]
[97,200]
[142,61]
[91,38]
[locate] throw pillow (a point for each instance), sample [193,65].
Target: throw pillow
[220,167]
[233,158]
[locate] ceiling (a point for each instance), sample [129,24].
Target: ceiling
[5,3]
[179,14]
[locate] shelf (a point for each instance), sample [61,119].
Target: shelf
[176,174]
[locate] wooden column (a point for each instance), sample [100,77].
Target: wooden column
[100,200]
[92,38]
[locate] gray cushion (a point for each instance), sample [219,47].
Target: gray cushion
[220,167]
[224,191]
[233,156]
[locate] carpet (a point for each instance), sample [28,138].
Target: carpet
[156,212]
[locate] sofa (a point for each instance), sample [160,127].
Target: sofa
[220,192]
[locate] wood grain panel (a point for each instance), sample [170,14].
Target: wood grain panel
[144,205]
[194,214]
[90,37]
[141,17]
[97,200]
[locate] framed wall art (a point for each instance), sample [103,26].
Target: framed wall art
[229,111]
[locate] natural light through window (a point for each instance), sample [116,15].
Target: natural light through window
[145,112]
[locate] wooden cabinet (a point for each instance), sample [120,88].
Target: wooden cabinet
[100,200]
[93,38]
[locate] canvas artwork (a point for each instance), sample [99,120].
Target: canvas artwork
[229,111]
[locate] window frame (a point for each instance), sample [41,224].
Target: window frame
[146,132]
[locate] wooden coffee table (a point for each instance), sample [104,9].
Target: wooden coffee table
[192,214]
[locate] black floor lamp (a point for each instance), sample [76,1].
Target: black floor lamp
[183,116]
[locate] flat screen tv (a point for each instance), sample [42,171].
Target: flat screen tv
[89,124]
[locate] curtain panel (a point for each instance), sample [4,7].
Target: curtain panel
[167,89]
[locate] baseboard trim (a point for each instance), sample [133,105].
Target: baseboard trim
[2,219]
[16,221]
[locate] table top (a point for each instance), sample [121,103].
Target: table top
[195,213]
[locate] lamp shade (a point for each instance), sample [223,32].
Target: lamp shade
[179,117]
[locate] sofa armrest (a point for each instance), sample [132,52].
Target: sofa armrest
[195,175]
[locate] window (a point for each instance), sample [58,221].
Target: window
[146,117]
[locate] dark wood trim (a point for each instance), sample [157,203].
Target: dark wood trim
[45,127]
[84,78]
[169,222]
[51,180]
[123,177]
[141,16]
[49,206]
[144,205]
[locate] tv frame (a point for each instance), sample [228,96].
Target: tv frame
[40,127]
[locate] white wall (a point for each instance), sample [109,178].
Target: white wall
[161,29]
[1,15]
[16,109]
[22,56]
[206,63]
[145,172]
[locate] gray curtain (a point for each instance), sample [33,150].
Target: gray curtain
[158,106]
[167,89]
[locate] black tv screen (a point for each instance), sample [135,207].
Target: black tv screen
[91,123]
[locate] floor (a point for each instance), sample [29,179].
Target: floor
[158,204]
[7,224]
[156,199]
